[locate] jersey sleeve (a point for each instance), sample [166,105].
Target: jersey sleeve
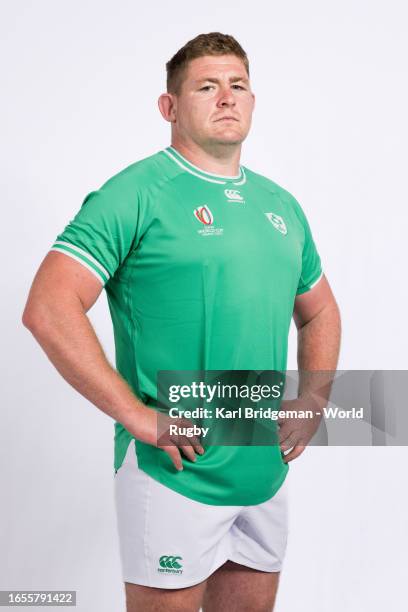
[311,264]
[104,231]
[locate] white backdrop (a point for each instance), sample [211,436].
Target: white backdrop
[80,84]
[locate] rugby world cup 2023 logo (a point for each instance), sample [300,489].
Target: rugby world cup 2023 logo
[204,215]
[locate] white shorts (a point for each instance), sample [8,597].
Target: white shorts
[170,541]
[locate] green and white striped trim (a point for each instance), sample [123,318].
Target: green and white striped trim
[82,257]
[181,161]
[316,281]
[309,286]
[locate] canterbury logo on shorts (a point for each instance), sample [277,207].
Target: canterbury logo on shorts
[170,564]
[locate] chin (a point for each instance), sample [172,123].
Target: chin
[231,139]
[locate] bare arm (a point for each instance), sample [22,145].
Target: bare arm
[61,294]
[317,319]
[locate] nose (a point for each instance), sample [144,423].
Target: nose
[226,97]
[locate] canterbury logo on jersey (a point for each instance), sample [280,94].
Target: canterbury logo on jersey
[277,222]
[233,195]
[204,215]
[170,564]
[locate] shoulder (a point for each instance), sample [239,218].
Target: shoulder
[147,173]
[263,182]
[129,194]
[273,188]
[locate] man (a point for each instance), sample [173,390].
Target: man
[204,263]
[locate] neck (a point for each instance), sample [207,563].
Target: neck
[218,159]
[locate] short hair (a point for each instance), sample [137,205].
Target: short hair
[213,43]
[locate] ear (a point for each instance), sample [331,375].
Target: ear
[168,106]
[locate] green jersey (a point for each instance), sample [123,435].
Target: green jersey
[201,272]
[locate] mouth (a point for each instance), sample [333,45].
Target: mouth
[226,119]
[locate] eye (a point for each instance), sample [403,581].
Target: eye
[206,87]
[239,86]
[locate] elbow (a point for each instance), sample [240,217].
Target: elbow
[29,319]
[33,318]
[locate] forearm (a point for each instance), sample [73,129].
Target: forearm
[318,352]
[69,340]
